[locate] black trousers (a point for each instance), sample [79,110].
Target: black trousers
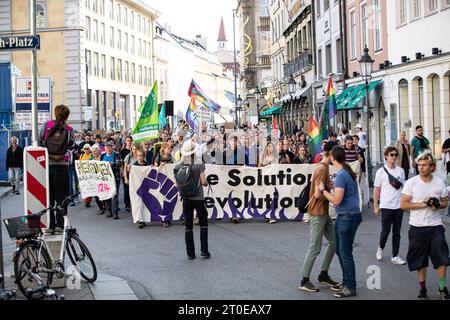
[59,190]
[202,214]
[390,218]
[126,194]
[406,173]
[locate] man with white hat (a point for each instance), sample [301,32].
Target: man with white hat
[362,136]
[190,177]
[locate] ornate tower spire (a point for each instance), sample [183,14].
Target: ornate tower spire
[222,38]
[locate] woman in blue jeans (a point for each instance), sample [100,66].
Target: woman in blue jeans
[346,202]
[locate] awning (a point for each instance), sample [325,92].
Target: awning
[344,94]
[302,92]
[355,96]
[272,111]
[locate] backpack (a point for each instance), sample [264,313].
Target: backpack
[188,185]
[303,199]
[56,141]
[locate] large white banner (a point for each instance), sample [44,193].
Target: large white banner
[96,179]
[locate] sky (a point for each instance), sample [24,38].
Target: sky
[189,18]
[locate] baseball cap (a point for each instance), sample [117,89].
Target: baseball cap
[110,143]
[358,126]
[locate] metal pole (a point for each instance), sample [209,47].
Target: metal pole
[234,68]
[2,273]
[368,130]
[34,124]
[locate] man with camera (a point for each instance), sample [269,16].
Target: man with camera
[424,195]
[388,185]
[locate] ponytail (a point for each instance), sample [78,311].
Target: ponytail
[350,171]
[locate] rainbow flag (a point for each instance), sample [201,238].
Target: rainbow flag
[191,119]
[331,99]
[316,138]
[196,93]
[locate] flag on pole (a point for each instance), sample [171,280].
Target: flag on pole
[196,93]
[162,117]
[331,99]
[314,134]
[191,119]
[147,127]
[230,96]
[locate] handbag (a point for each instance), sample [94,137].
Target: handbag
[393,181]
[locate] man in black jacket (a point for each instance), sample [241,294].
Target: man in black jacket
[14,164]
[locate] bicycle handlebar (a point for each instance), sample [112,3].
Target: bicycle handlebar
[58,207]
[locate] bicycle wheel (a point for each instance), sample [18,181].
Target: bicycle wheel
[28,257]
[81,258]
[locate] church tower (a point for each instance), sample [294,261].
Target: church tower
[221,39]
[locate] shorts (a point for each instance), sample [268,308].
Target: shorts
[427,243]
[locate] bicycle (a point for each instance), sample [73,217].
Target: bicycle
[34,266]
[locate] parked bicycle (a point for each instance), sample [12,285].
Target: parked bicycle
[34,266]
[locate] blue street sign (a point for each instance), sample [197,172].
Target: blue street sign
[20,43]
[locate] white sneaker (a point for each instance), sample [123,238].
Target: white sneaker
[379,254]
[398,260]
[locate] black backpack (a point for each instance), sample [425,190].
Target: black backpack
[57,141]
[303,200]
[188,185]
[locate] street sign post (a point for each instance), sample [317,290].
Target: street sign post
[20,43]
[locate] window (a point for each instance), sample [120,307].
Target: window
[149,51]
[140,74]
[149,27]
[326,5]
[125,16]
[126,42]
[118,14]
[140,48]
[264,8]
[102,7]
[88,61]
[319,63]
[132,44]
[95,31]
[415,9]
[145,76]
[133,73]
[149,76]
[119,40]
[96,64]
[143,26]
[40,16]
[88,28]
[102,33]
[445,4]
[103,66]
[352,35]
[113,69]
[377,9]
[328,66]
[339,55]
[119,69]
[111,9]
[95,6]
[111,37]
[138,23]
[127,78]
[364,26]
[144,50]
[88,4]
[318,7]
[132,20]
[432,6]
[401,19]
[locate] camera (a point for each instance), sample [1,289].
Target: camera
[434,202]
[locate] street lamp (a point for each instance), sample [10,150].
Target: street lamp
[366,64]
[238,108]
[292,87]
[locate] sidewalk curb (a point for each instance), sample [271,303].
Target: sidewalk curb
[111,288]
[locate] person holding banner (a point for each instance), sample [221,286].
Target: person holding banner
[96,156]
[86,155]
[320,225]
[196,201]
[129,159]
[112,205]
[349,217]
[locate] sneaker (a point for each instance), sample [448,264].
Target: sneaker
[308,287]
[72,204]
[379,254]
[272,221]
[398,260]
[166,224]
[100,212]
[191,257]
[266,219]
[235,220]
[444,294]
[423,294]
[109,214]
[346,293]
[327,281]
[206,255]
[116,216]
[337,288]
[17,192]
[141,225]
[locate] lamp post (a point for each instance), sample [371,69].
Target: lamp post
[257,97]
[292,86]
[366,64]
[238,108]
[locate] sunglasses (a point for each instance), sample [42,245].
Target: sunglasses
[393,154]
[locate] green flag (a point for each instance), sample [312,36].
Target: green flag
[162,117]
[147,128]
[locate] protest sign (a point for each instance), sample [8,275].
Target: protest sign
[96,179]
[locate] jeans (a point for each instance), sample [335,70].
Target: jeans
[112,205]
[73,180]
[126,194]
[390,218]
[59,190]
[345,229]
[319,226]
[14,177]
[202,214]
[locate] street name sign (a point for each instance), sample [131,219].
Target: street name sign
[20,43]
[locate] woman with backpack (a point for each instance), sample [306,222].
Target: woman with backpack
[57,137]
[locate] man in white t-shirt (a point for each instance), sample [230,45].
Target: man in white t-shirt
[424,195]
[362,136]
[389,206]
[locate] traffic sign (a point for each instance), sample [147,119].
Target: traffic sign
[20,43]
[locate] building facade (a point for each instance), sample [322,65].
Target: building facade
[99,54]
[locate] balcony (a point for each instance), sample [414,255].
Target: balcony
[264,23]
[298,65]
